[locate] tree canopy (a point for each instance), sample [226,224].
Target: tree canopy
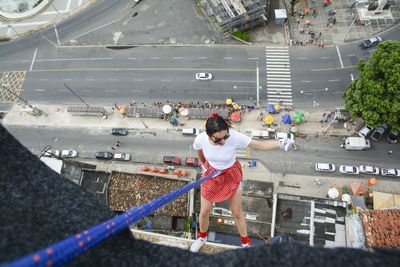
[375,95]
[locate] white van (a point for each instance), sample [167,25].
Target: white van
[190,131]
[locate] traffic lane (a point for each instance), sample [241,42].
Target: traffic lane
[143,146]
[145,85]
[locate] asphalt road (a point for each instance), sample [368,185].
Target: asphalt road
[147,74]
[150,147]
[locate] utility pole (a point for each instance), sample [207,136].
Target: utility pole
[35,110]
[76,95]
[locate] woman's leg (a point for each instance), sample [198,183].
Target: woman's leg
[236,207]
[204,218]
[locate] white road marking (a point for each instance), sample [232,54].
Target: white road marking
[302,58]
[44,79]
[63,90]
[116,36]
[131,58]
[201,58]
[68,5]
[306,81]
[24,60]
[33,59]
[227,58]
[326,57]
[333,80]
[154,58]
[351,55]
[86,90]
[89,80]
[40,90]
[133,91]
[165,80]
[138,80]
[112,80]
[74,59]
[340,58]
[253,58]
[58,39]
[66,79]
[177,57]
[111,91]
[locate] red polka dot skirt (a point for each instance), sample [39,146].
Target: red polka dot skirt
[223,186]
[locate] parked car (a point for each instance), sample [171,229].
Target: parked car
[171,160]
[283,135]
[52,153]
[390,172]
[69,153]
[203,76]
[349,169]
[104,155]
[191,161]
[119,131]
[190,131]
[371,42]
[122,156]
[369,169]
[393,137]
[325,167]
[364,131]
[378,132]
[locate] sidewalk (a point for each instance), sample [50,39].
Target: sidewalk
[57,115]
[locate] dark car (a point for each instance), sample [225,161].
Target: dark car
[371,42]
[119,131]
[393,137]
[104,155]
[171,160]
[191,161]
[376,135]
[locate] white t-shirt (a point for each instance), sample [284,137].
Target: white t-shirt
[221,157]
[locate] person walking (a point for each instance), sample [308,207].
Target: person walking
[216,151]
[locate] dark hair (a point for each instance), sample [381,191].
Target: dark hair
[216,124]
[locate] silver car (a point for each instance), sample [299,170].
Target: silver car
[369,169]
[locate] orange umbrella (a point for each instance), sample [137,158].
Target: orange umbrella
[372,181]
[235,106]
[235,116]
[307,21]
[122,106]
[181,109]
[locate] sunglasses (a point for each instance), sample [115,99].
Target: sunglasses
[218,140]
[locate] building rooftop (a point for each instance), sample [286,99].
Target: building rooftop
[381,228]
[128,190]
[313,221]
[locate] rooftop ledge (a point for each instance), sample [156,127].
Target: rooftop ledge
[172,241]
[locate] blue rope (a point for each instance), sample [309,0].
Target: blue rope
[66,250]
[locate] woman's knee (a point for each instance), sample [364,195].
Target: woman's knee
[205,211]
[237,212]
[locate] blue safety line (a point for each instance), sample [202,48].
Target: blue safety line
[66,250]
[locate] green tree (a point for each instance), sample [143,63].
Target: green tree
[375,95]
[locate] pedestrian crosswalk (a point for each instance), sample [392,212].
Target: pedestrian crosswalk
[279,84]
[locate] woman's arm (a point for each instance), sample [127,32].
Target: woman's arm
[266,145]
[201,156]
